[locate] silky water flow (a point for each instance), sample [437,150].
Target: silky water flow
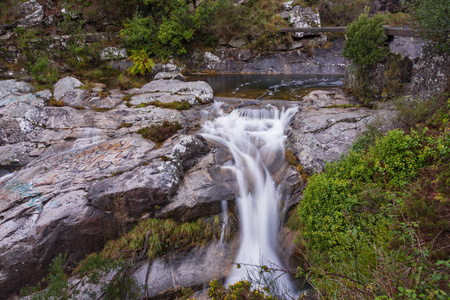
[255,138]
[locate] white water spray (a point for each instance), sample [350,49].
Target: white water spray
[255,138]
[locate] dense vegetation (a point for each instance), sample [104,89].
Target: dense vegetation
[376,224]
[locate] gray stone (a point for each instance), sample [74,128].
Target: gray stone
[210,60]
[321,132]
[196,91]
[301,17]
[9,89]
[169,67]
[287,5]
[33,12]
[75,97]
[406,46]
[113,53]
[169,76]
[237,43]
[65,85]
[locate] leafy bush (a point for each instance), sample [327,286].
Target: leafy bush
[374,223]
[365,40]
[44,72]
[433,20]
[141,64]
[159,133]
[166,27]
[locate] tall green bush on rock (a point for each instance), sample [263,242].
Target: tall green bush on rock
[365,40]
[433,20]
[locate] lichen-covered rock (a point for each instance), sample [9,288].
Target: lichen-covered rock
[65,85]
[113,53]
[431,73]
[195,92]
[301,17]
[10,89]
[33,13]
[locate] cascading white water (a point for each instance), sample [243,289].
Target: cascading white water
[255,138]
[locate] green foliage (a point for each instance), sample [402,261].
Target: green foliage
[253,22]
[159,133]
[365,40]
[163,236]
[338,12]
[433,20]
[44,72]
[142,65]
[57,283]
[239,290]
[373,223]
[166,27]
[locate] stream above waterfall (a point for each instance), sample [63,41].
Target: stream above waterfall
[263,86]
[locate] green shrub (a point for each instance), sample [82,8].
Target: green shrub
[239,290]
[373,223]
[44,72]
[365,40]
[142,65]
[433,20]
[166,27]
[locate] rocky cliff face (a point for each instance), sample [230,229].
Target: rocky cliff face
[73,177]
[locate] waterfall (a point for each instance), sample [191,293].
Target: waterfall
[255,139]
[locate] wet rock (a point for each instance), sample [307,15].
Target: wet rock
[194,268]
[189,150]
[65,85]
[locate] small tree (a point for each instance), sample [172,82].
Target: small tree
[364,46]
[365,40]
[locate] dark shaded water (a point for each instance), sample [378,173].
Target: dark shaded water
[257,86]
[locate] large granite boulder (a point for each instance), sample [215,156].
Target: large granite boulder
[326,126]
[168,89]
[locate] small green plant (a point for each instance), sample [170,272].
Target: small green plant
[160,133]
[239,290]
[44,72]
[142,64]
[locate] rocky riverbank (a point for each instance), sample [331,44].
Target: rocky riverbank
[78,175]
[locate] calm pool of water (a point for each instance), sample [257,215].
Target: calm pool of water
[282,87]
